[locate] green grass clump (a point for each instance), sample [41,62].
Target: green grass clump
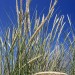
[27,50]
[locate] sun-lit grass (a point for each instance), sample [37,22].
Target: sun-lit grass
[28,51]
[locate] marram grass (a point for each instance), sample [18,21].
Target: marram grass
[29,51]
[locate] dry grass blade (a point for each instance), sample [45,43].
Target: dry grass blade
[60,32]
[13,42]
[32,60]
[28,17]
[69,20]
[17,10]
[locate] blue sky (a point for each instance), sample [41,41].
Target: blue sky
[65,6]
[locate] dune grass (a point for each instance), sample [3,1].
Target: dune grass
[28,51]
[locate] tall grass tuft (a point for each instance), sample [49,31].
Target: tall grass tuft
[26,51]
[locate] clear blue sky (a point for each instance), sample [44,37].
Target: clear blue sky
[65,6]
